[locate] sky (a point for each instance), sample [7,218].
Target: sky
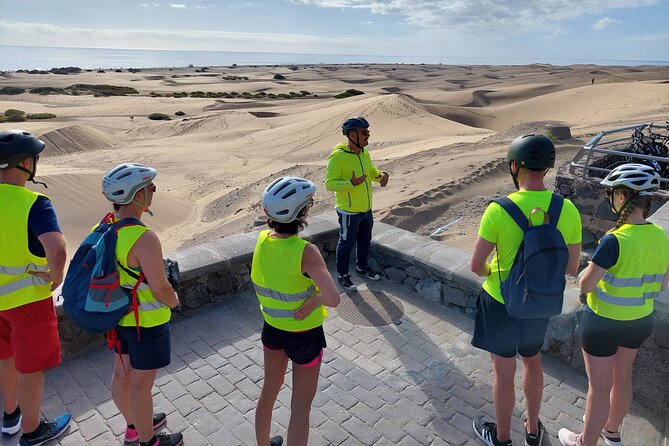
[536,30]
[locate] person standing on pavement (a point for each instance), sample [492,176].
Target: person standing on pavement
[627,271]
[349,175]
[32,264]
[503,336]
[142,344]
[292,284]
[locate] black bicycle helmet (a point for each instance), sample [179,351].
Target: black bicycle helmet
[17,145]
[532,152]
[356,122]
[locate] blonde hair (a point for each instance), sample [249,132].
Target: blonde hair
[633,201]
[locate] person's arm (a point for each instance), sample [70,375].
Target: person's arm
[314,265]
[588,279]
[479,262]
[56,256]
[149,255]
[335,180]
[574,258]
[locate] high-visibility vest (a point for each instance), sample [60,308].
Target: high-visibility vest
[628,289]
[280,286]
[151,312]
[17,286]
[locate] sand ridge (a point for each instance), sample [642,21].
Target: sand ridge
[440,131]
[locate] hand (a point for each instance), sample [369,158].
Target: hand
[357,180]
[384,179]
[307,308]
[49,277]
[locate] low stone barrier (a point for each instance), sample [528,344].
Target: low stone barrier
[212,271]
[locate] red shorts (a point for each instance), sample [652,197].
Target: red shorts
[29,333]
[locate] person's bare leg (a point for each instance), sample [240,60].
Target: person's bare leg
[120,386]
[141,402]
[504,395]
[600,381]
[8,384]
[29,387]
[275,366]
[533,388]
[305,382]
[621,392]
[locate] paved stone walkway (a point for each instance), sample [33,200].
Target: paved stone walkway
[418,382]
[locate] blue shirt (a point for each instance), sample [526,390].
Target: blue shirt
[41,219]
[607,252]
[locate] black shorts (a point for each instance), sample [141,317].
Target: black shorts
[302,347]
[151,351]
[602,336]
[497,332]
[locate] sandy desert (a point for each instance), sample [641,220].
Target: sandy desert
[440,131]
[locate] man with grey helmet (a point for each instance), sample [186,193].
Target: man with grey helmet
[32,263]
[142,340]
[497,332]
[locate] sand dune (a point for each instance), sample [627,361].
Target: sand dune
[441,132]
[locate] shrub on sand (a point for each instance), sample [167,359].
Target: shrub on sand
[159,117]
[41,116]
[180,113]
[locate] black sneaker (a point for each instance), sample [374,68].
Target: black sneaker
[276,441]
[165,439]
[345,282]
[11,424]
[534,439]
[487,432]
[368,274]
[47,430]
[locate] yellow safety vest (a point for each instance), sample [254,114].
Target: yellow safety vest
[276,272]
[17,286]
[627,290]
[151,312]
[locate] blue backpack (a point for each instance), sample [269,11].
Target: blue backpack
[92,294]
[535,286]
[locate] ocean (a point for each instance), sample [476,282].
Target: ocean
[14,58]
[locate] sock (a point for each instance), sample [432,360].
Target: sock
[13,414]
[151,442]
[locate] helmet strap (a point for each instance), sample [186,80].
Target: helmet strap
[514,176]
[627,202]
[355,143]
[31,178]
[144,206]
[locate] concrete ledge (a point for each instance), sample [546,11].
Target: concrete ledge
[213,271]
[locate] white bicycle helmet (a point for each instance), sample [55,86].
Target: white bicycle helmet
[120,184]
[640,178]
[285,197]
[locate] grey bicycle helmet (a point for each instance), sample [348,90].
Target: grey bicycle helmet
[642,179]
[17,145]
[120,184]
[356,122]
[532,152]
[285,197]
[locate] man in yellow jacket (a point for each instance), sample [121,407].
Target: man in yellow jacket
[32,263]
[349,175]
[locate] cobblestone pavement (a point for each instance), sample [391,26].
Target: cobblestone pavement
[418,382]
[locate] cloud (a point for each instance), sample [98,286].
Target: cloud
[177,5]
[658,37]
[369,22]
[603,23]
[484,16]
[145,5]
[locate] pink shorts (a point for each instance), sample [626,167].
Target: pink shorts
[29,333]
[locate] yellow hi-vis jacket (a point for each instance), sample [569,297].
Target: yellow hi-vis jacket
[627,290]
[151,312]
[276,272]
[342,162]
[17,286]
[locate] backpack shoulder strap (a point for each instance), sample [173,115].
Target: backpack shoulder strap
[555,209]
[514,211]
[123,223]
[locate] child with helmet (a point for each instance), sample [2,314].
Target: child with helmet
[143,344]
[628,270]
[292,284]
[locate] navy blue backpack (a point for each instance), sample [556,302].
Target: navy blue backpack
[92,294]
[535,285]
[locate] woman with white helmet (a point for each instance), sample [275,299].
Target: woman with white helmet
[292,284]
[627,271]
[143,344]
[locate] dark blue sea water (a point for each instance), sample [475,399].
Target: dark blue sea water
[14,58]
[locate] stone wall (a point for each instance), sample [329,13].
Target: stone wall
[212,271]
